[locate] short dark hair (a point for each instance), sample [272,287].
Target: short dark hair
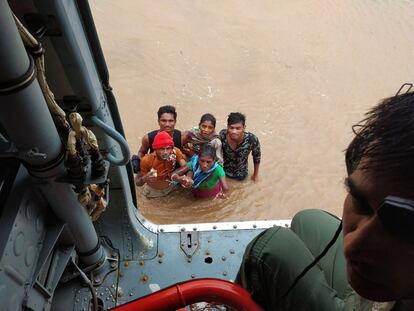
[385,139]
[208,117]
[236,117]
[167,109]
[209,151]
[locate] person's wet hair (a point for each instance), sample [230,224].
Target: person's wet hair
[236,117]
[385,139]
[208,117]
[208,151]
[167,109]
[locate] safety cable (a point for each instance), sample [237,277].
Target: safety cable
[315,261]
[90,286]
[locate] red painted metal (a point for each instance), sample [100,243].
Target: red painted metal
[187,293]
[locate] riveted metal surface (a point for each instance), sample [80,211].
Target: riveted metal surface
[218,255]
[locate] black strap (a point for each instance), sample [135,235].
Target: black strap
[177,139]
[316,260]
[151,136]
[15,85]
[90,252]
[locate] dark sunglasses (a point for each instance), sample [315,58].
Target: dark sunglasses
[397,216]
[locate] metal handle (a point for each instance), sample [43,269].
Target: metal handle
[118,138]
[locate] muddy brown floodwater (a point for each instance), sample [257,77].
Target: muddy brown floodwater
[303,72]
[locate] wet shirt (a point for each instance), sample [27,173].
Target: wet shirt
[163,168]
[236,161]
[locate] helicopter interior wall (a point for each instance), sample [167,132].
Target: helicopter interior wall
[34,248]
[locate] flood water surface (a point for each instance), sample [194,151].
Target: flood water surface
[303,72]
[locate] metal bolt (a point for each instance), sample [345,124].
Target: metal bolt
[97,280]
[214,227]
[113,285]
[195,243]
[189,256]
[207,253]
[223,258]
[182,229]
[188,259]
[102,294]
[161,230]
[131,294]
[255,226]
[141,263]
[193,276]
[224,273]
[195,228]
[113,264]
[144,278]
[126,263]
[159,260]
[235,226]
[232,251]
[160,254]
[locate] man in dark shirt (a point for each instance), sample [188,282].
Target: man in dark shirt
[237,145]
[167,117]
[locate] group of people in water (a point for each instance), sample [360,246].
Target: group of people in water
[199,159]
